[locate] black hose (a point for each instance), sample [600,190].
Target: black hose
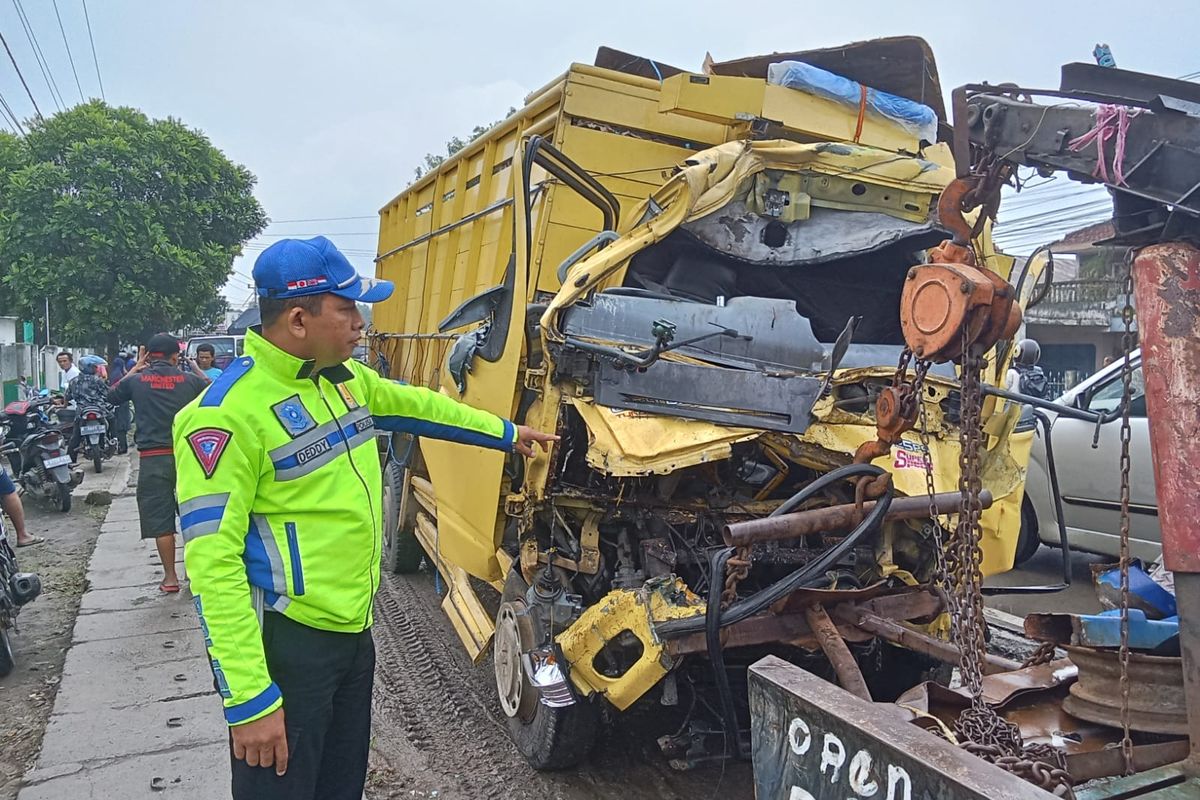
[801,578]
[848,471]
[716,656]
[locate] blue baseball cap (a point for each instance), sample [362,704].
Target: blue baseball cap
[298,267]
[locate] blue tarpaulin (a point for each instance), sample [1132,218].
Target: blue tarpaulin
[918,119]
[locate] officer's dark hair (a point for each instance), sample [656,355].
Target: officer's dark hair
[271,308]
[206,348]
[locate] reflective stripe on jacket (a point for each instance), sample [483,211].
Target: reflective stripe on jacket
[279,489]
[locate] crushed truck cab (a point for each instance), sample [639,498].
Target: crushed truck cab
[704,304]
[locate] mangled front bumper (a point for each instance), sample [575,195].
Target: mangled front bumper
[652,614]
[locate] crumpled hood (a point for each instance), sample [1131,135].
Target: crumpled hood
[710,179]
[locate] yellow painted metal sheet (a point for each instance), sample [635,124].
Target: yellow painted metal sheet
[730,100]
[629,443]
[462,606]
[621,611]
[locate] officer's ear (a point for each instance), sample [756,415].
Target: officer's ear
[293,320]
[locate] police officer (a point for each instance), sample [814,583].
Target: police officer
[280,507]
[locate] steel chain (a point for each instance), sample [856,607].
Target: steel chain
[737,568]
[980,725]
[1126,397]
[941,573]
[1047,771]
[1044,654]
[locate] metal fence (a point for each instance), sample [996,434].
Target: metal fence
[1059,381]
[1093,292]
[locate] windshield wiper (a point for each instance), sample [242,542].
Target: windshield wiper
[663,332]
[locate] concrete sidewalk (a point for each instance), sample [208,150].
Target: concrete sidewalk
[135,715]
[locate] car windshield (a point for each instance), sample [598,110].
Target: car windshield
[222,346]
[1108,397]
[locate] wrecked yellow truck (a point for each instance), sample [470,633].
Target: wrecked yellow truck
[694,279]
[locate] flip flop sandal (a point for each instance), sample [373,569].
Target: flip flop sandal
[164,588]
[32,542]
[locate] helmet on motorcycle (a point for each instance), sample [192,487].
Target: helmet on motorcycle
[89,364]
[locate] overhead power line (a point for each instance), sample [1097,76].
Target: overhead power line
[322,219]
[43,64]
[9,116]
[67,45]
[92,42]
[13,59]
[322,233]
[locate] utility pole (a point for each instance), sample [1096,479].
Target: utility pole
[46,382]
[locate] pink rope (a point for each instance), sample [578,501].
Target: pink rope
[1111,121]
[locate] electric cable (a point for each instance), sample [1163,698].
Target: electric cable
[10,116]
[39,56]
[20,75]
[67,45]
[322,219]
[92,42]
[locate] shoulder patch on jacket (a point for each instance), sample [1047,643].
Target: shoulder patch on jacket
[214,395]
[208,445]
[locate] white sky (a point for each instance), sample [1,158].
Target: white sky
[332,104]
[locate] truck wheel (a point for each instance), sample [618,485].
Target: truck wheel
[1028,540]
[6,654]
[548,738]
[401,551]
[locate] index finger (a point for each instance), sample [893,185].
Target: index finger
[281,755]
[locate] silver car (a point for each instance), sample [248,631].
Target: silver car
[1090,478]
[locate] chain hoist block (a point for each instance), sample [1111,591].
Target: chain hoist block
[951,298]
[939,301]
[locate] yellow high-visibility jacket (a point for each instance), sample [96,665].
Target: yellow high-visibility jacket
[279,489]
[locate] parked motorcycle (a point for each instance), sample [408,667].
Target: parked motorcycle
[37,451]
[96,442]
[16,589]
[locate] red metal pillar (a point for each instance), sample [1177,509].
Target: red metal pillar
[1167,288]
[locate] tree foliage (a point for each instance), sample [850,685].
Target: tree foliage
[434,160]
[128,225]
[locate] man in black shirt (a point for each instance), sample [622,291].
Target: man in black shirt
[159,389]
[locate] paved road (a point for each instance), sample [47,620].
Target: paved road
[1046,568]
[134,716]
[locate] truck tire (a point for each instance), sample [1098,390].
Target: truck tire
[1028,541]
[402,553]
[549,738]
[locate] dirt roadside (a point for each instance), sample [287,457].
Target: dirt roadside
[44,629]
[438,730]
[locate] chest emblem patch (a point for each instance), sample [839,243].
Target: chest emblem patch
[208,445]
[293,416]
[347,396]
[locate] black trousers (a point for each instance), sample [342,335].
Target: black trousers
[326,681]
[121,428]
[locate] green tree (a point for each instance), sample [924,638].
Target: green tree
[434,160]
[128,225]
